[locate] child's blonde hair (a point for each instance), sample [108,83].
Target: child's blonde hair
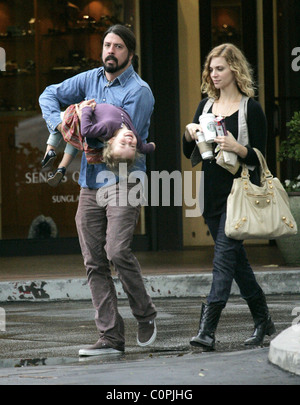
[112,162]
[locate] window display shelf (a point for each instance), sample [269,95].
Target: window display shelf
[45,42]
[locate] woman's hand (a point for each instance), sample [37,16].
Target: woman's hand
[191,132]
[230,144]
[227,142]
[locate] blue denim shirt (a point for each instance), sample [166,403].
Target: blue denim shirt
[128,91]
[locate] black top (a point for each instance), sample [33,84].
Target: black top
[217,180]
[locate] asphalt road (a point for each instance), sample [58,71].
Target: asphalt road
[40,344]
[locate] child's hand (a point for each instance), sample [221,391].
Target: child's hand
[153,145]
[83,104]
[88,103]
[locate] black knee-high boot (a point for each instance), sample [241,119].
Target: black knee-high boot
[263,324]
[210,315]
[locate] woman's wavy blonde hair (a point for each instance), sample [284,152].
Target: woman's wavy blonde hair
[238,65]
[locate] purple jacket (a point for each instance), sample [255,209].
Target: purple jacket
[105,120]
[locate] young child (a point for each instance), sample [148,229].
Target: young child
[103,131]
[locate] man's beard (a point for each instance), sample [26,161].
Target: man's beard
[116,67]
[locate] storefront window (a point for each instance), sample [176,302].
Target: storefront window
[43,42]
[226,22]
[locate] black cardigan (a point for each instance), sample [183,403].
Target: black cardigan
[217,180]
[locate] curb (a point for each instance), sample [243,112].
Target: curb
[285,350]
[162,286]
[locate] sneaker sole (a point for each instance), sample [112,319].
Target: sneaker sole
[98,352]
[151,340]
[55,180]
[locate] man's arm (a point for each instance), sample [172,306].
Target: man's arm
[57,96]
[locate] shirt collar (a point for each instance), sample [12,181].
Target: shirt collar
[122,79]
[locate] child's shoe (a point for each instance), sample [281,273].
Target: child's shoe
[56,177]
[49,158]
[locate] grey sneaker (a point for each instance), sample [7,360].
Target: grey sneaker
[146,333]
[100,348]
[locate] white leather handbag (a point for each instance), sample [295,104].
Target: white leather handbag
[258,212]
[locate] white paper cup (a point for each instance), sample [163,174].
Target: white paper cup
[205,148]
[208,127]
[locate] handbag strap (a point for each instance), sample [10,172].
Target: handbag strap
[265,173]
[207,105]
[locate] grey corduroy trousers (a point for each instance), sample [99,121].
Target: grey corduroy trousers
[105,229]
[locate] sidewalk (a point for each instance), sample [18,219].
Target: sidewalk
[42,339]
[185,273]
[180,274]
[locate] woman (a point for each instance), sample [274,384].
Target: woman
[227,80]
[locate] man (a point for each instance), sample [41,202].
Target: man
[106,232]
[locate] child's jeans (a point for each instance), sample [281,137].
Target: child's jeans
[54,140]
